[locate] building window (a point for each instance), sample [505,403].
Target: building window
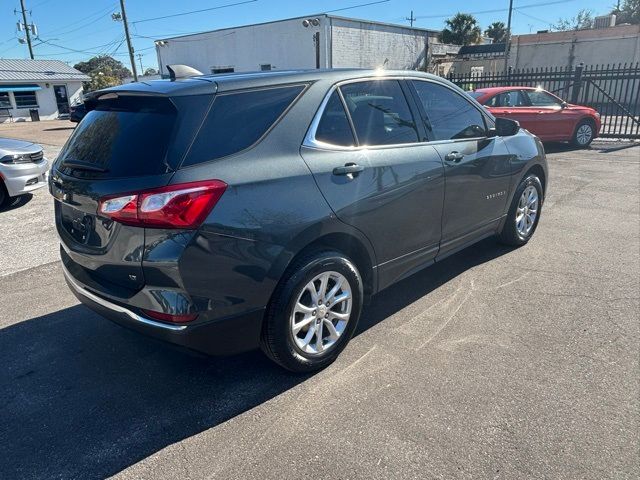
[4,100]
[265,67]
[217,70]
[25,99]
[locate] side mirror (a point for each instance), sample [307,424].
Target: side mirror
[564,105]
[505,127]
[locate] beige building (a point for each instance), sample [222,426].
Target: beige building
[597,46]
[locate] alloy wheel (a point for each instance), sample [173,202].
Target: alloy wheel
[321,313]
[527,211]
[584,134]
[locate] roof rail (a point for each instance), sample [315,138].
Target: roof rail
[182,71]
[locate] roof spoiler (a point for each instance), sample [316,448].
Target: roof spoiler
[182,71]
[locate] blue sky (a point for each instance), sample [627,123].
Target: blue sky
[75,30]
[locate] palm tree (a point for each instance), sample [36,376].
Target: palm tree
[497,31]
[461,29]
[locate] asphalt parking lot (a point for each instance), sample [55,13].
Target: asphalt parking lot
[496,363]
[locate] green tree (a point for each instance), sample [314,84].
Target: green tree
[629,12]
[105,71]
[583,20]
[497,31]
[150,71]
[461,29]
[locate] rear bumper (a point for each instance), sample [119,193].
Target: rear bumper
[220,337]
[24,178]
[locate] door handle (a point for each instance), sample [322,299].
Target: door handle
[348,169]
[454,157]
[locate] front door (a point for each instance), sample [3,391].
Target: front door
[551,122]
[62,99]
[377,176]
[477,167]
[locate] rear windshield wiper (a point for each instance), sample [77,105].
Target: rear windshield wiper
[84,166]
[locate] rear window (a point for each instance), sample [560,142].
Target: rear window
[122,137]
[238,120]
[334,125]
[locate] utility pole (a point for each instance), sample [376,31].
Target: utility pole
[411,18]
[126,33]
[26,28]
[139,55]
[508,39]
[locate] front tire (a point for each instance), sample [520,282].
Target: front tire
[584,134]
[313,312]
[4,196]
[524,212]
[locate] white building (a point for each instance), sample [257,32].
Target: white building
[318,41]
[48,86]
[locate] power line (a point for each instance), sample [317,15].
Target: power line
[94,16]
[79,51]
[533,17]
[194,11]
[183,34]
[356,6]
[7,41]
[496,10]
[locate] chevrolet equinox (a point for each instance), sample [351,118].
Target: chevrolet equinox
[229,212]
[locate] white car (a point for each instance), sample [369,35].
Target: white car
[23,168]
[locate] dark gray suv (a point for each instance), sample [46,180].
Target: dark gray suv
[228,212]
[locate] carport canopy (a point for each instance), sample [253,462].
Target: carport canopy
[20,88]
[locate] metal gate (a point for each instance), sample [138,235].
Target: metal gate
[612,90]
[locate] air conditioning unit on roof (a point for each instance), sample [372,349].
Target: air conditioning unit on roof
[604,21]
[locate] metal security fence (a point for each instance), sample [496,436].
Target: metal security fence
[613,90]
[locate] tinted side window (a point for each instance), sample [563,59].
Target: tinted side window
[380,112]
[238,120]
[334,126]
[451,116]
[515,98]
[540,98]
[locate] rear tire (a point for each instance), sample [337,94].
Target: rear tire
[524,212]
[319,289]
[584,134]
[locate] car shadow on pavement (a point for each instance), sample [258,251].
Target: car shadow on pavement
[16,202]
[83,398]
[559,147]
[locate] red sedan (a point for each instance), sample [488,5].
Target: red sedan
[542,113]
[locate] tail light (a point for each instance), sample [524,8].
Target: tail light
[167,317]
[184,205]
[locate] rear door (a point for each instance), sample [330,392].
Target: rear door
[126,144]
[477,167]
[367,155]
[513,104]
